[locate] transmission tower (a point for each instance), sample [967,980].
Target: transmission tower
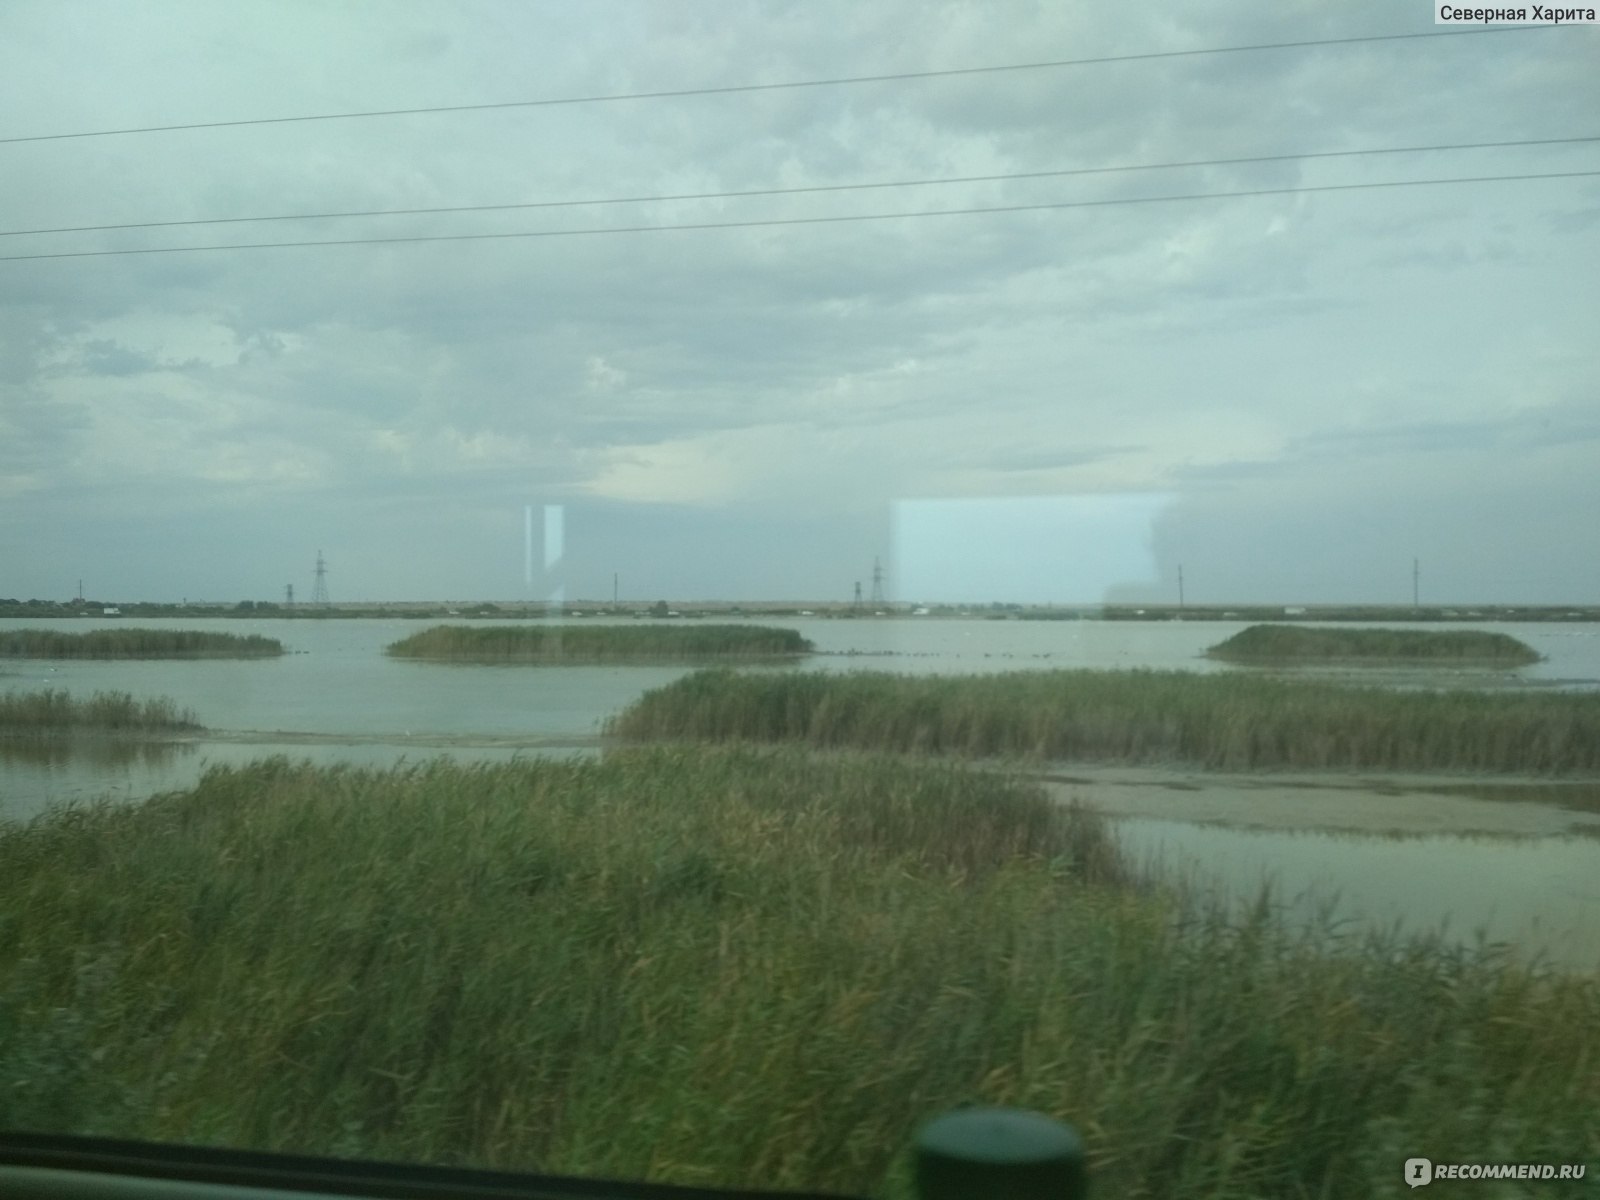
[857,603]
[877,582]
[288,595]
[319,593]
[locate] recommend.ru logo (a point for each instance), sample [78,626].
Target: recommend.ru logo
[1419,1171]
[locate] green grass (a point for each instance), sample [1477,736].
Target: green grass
[732,967]
[599,643]
[1304,644]
[56,711]
[134,643]
[1221,721]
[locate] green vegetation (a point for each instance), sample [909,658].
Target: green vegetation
[52,711]
[732,967]
[599,643]
[1223,721]
[134,643]
[1303,644]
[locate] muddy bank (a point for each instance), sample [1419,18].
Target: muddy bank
[1368,802]
[405,739]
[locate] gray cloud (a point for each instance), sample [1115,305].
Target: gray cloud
[740,410]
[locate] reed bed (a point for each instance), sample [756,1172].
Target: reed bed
[1224,722]
[57,711]
[732,967]
[134,643]
[1306,644]
[600,643]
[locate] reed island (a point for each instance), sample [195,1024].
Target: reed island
[570,645]
[1277,645]
[135,643]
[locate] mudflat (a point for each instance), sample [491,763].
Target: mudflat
[1360,802]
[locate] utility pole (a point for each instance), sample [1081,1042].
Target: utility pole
[877,583]
[614,576]
[857,603]
[288,596]
[1180,585]
[1416,572]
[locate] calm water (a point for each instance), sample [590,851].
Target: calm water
[336,697]
[1541,895]
[338,681]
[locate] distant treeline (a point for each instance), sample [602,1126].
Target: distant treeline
[1224,722]
[995,611]
[134,643]
[1347,612]
[599,643]
[245,608]
[1285,643]
[55,711]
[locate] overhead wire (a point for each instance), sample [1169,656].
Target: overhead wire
[803,190]
[811,189]
[790,221]
[786,85]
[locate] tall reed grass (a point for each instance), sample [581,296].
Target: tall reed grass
[599,643]
[134,643]
[1300,643]
[1217,721]
[55,710]
[732,967]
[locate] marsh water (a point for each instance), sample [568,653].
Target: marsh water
[337,698]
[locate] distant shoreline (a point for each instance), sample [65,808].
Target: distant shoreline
[521,610]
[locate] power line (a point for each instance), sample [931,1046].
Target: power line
[797,191]
[789,85]
[779,221]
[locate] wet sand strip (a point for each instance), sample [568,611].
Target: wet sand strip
[1366,802]
[442,741]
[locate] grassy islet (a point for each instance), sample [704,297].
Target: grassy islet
[1273,644]
[1220,721]
[134,643]
[54,710]
[599,643]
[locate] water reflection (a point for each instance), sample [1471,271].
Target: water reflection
[90,752]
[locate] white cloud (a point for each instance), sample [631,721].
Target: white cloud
[601,376]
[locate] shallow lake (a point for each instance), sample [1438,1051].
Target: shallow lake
[1540,895]
[336,697]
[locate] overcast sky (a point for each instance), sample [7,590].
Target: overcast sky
[1290,395]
